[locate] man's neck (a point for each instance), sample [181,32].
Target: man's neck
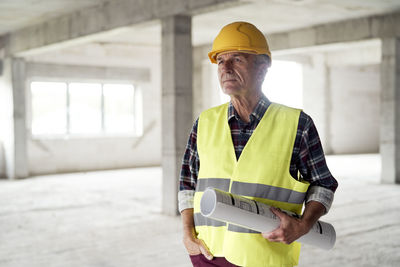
[244,105]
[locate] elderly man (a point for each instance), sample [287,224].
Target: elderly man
[258,149]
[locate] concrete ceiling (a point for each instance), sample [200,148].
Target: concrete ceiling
[269,15]
[16,14]
[272,16]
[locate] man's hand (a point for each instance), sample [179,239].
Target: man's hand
[193,245]
[291,228]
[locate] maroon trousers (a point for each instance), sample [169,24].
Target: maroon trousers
[201,261]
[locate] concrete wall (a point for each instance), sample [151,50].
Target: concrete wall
[355,92]
[341,92]
[354,87]
[2,161]
[49,155]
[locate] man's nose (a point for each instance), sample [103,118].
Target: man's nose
[226,66]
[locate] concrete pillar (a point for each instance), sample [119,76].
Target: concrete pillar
[13,118]
[317,97]
[390,111]
[176,103]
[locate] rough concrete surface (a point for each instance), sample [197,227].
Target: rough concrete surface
[112,218]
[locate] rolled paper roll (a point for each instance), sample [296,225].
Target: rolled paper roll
[230,208]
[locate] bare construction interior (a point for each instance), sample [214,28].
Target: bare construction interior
[103,198]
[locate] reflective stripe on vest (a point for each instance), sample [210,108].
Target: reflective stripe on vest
[268,192]
[200,220]
[218,183]
[253,190]
[238,229]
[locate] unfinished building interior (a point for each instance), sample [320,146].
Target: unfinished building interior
[97,98]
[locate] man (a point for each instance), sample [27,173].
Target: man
[257,149]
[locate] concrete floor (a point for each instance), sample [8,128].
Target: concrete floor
[112,218]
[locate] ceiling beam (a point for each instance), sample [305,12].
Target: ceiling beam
[82,25]
[353,30]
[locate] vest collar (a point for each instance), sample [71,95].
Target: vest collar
[257,113]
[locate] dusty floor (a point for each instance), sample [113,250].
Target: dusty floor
[112,218]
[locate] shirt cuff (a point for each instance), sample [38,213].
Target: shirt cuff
[321,195]
[185,199]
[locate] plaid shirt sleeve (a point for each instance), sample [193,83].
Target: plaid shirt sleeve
[309,159]
[189,171]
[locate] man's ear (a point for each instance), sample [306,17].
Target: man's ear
[262,71]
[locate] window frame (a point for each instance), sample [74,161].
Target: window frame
[137,93]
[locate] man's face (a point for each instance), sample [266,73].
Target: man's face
[237,73]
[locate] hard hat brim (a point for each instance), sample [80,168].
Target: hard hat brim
[212,55]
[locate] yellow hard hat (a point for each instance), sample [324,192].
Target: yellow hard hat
[239,36]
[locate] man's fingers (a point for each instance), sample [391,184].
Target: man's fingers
[273,236]
[288,230]
[268,235]
[281,215]
[204,249]
[192,247]
[278,235]
[196,246]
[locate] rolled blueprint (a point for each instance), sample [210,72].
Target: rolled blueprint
[223,206]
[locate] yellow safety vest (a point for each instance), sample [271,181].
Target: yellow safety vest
[261,173]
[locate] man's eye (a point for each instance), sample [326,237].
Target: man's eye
[237,59]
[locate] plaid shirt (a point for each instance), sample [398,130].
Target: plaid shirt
[307,157]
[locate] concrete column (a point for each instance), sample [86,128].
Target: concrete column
[390,111]
[176,103]
[13,118]
[317,97]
